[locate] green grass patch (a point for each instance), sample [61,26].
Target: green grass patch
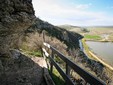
[57,78]
[92,37]
[33,53]
[87,49]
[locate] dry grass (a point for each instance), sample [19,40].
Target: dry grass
[34,41]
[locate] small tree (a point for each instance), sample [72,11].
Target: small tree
[84,29]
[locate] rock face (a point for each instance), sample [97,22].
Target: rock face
[21,70]
[15,17]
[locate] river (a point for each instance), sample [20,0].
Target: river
[104,50]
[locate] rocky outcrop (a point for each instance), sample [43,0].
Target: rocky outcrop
[15,17]
[21,70]
[71,39]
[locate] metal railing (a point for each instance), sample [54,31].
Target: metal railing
[90,79]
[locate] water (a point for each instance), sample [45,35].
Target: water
[80,44]
[104,50]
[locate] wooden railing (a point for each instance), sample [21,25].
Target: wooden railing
[90,79]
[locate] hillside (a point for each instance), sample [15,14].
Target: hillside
[22,33]
[21,41]
[67,37]
[68,26]
[67,43]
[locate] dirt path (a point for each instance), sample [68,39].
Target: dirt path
[40,61]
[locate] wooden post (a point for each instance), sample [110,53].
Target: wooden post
[67,70]
[44,36]
[51,65]
[42,53]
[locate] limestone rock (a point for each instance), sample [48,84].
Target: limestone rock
[15,17]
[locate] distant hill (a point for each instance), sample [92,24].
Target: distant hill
[72,28]
[69,27]
[99,26]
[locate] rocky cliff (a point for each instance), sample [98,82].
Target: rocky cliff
[15,68]
[71,39]
[15,17]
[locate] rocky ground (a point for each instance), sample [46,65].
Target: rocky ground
[22,70]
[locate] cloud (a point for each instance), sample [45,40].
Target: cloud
[83,6]
[58,13]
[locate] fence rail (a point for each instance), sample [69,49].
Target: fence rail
[69,65]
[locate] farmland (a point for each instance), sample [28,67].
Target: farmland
[100,33]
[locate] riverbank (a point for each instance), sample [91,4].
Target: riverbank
[93,56]
[99,40]
[101,61]
[105,71]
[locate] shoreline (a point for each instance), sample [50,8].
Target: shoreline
[101,61]
[94,55]
[99,40]
[108,69]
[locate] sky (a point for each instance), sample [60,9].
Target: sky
[75,12]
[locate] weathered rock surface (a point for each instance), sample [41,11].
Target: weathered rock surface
[15,17]
[21,70]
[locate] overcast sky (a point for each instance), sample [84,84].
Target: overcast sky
[75,12]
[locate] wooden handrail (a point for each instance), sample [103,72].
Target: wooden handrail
[85,75]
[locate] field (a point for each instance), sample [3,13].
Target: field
[99,30]
[101,33]
[92,37]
